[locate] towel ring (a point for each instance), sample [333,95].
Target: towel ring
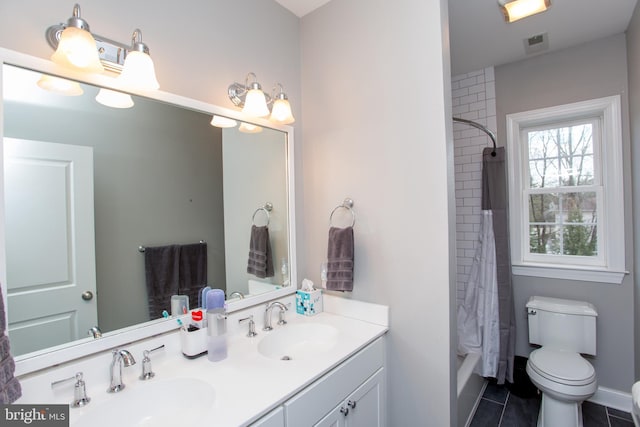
[346,204]
[268,207]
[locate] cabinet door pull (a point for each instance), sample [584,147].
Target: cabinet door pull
[344,411]
[352,404]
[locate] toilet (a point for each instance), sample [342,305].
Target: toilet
[565,329]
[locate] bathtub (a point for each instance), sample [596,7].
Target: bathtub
[470,388]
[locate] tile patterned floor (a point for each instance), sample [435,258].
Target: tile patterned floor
[501,408]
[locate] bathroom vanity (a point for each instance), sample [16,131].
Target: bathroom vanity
[327,369]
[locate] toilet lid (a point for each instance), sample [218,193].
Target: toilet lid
[562,366]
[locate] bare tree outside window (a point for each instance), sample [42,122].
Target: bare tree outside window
[562,204]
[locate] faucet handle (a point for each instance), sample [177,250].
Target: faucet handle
[147,373]
[252,326]
[80,397]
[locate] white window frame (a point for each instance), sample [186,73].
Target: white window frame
[609,267]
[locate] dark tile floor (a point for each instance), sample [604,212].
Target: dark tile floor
[501,408]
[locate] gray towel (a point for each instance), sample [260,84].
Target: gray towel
[193,270]
[260,261]
[161,267]
[340,254]
[10,392]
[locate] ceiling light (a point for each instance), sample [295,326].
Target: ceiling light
[223,122]
[77,48]
[518,9]
[114,99]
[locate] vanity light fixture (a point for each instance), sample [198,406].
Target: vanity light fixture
[514,10]
[223,122]
[249,128]
[114,99]
[76,47]
[59,85]
[255,103]
[132,62]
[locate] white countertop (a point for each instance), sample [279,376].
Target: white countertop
[247,384]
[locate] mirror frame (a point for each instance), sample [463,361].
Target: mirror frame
[42,359]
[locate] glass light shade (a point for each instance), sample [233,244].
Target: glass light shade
[518,9]
[138,72]
[114,99]
[223,122]
[77,49]
[281,112]
[255,104]
[249,128]
[60,86]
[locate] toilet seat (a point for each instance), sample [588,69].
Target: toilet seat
[562,367]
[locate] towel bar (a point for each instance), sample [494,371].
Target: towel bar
[143,248]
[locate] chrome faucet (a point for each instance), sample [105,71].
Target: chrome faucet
[120,357]
[267,315]
[236,294]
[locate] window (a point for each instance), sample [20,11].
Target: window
[565,191]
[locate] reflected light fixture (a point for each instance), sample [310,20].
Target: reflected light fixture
[249,128]
[59,85]
[255,103]
[77,48]
[138,71]
[223,122]
[114,99]
[515,10]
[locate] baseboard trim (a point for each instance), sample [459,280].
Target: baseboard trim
[612,398]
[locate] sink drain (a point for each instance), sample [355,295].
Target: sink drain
[285,358]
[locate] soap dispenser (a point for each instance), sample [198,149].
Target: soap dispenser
[216,326]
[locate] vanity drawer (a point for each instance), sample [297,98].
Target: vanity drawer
[317,400]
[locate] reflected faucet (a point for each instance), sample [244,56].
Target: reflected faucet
[120,357]
[236,294]
[267,315]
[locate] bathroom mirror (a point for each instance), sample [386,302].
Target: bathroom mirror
[161,175]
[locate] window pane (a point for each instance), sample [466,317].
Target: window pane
[579,207]
[544,207]
[561,156]
[580,240]
[545,239]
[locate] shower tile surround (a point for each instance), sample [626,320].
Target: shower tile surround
[473,98]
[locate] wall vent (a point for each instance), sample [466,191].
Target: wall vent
[536,44]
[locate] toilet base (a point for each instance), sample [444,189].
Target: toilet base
[555,413]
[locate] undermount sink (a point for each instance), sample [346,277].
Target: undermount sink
[298,341]
[171,402]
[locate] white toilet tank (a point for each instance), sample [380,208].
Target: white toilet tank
[562,324]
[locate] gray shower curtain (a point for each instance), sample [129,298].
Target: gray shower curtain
[494,198]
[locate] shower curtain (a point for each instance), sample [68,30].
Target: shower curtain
[486,319]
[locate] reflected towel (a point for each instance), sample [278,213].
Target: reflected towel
[10,392]
[340,256]
[193,270]
[260,263]
[10,389]
[161,267]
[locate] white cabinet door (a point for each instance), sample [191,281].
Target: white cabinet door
[365,405]
[335,418]
[49,224]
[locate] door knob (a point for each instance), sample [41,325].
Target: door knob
[87,295]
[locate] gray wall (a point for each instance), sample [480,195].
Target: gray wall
[633,65]
[589,71]
[376,129]
[157,179]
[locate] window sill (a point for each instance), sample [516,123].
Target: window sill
[570,273]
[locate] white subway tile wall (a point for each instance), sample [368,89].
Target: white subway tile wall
[474,98]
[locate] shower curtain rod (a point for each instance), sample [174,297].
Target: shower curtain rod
[482,128]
